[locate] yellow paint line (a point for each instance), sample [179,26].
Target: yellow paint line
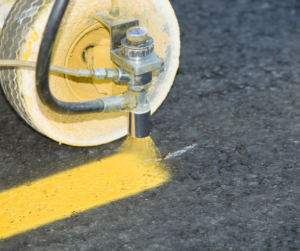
[56,197]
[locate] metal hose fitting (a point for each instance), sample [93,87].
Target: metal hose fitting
[119,103]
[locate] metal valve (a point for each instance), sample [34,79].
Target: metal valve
[134,54]
[137,45]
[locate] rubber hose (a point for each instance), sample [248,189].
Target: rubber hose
[43,65]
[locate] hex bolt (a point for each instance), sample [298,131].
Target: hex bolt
[99,73]
[109,73]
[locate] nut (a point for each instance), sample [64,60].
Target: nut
[99,73]
[109,73]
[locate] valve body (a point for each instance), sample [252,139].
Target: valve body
[136,47]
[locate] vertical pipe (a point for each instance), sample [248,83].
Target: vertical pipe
[115,10]
[114,4]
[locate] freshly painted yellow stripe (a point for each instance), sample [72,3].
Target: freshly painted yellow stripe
[61,195]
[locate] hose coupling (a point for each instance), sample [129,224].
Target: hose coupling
[85,73]
[122,76]
[117,74]
[119,103]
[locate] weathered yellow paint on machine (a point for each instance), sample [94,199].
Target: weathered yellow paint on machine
[79,30]
[34,37]
[56,197]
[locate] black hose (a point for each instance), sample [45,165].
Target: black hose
[43,64]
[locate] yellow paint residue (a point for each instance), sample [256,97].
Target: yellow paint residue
[33,38]
[78,30]
[61,195]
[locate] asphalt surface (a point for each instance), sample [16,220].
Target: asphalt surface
[237,97]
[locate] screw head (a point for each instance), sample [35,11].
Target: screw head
[136,35]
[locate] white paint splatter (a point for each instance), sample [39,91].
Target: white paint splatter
[26,13]
[180,152]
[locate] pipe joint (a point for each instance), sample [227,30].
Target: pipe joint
[119,103]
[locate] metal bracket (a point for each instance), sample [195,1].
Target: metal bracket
[116,25]
[136,67]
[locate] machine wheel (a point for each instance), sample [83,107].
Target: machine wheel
[79,32]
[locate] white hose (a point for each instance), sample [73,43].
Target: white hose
[55,68]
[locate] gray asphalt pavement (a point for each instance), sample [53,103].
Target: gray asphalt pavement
[237,97]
